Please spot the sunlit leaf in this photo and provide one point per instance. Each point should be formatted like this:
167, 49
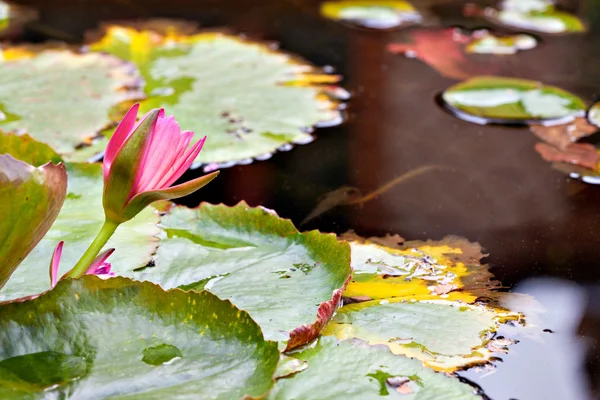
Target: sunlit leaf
447, 269
249, 99
25, 148
352, 369
95, 339
494, 99
77, 224
289, 282
376, 14
30, 199
62, 98
419, 299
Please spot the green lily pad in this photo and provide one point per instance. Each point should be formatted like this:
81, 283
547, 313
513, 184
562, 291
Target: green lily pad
444, 335
30, 199
351, 369
25, 148
373, 14
494, 99
77, 224
247, 98
535, 15
594, 114
289, 282
62, 98
486, 42
96, 339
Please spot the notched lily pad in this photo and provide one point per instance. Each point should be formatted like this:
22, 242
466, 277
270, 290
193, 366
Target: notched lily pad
249, 99
90, 338
533, 15
40, 83
421, 299
77, 224
351, 369
30, 200
289, 282
494, 99
374, 14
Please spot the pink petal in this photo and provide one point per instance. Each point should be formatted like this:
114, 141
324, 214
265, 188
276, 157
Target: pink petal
143, 175
98, 263
165, 149
185, 161
121, 134
54, 263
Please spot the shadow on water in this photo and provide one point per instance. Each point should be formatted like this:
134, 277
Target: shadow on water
534, 221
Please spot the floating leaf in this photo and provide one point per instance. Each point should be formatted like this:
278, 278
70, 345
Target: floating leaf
584, 155
494, 99
77, 224
290, 282
375, 14
25, 148
444, 335
247, 98
395, 295
30, 199
417, 270
594, 114
62, 98
563, 135
443, 50
485, 42
351, 369
90, 338
534, 15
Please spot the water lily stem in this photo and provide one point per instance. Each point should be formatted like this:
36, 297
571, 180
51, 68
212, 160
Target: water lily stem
105, 233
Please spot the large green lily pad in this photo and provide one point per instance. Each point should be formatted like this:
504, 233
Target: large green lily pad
247, 98
119, 339
289, 282
60, 97
77, 224
352, 369
30, 199
494, 99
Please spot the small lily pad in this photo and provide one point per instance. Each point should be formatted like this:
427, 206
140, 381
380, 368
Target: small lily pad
249, 99
39, 84
30, 200
373, 14
492, 99
485, 42
353, 370
77, 224
534, 15
594, 115
290, 282
90, 338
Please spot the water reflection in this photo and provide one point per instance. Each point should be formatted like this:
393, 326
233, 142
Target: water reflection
562, 331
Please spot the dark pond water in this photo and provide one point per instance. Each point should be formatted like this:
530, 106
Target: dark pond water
541, 229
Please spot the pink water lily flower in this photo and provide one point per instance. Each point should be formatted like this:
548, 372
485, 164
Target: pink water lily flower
143, 160
98, 267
